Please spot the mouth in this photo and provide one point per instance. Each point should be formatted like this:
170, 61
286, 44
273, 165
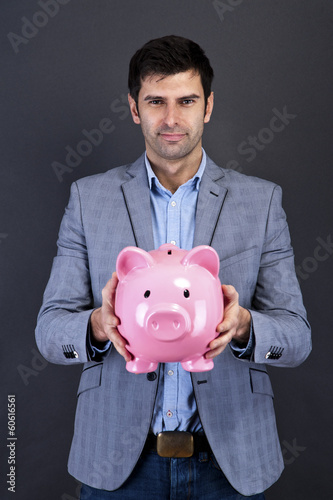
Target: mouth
172, 137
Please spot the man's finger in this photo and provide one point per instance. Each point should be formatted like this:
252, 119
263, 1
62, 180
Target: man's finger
109, 291
120, 344
230, 294
218, 345
225, 326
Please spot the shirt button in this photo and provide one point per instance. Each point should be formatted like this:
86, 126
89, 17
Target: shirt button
173, 203
172, 242
151, 376
169, 413
170, 372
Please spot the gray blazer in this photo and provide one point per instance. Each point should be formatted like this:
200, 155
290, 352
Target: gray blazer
242, 218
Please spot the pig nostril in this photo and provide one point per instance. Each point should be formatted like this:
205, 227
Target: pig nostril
176, 324
155, 325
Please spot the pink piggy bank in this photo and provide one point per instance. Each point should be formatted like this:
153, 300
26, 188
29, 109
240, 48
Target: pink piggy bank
169, 302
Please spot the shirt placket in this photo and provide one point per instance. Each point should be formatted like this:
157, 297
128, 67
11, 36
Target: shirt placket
171, 370
170, 402
173, 218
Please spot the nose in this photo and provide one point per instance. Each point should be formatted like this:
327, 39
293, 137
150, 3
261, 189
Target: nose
168, 322
171, 116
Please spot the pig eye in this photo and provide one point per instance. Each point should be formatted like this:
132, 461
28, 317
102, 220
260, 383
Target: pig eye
146, 294
186, 294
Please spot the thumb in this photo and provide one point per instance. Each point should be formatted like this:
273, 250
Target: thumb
229, 291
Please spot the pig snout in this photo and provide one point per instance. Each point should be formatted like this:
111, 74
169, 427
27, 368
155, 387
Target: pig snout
167, 322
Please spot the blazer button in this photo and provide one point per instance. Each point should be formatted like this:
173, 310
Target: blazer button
151, 376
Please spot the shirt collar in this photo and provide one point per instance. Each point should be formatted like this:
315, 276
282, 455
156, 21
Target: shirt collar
196, 179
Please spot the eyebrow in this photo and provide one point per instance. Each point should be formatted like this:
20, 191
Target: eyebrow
158, 97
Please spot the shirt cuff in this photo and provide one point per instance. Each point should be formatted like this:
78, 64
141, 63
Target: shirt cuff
96, 350
245, 352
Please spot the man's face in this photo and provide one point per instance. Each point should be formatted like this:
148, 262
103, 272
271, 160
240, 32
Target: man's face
171, 112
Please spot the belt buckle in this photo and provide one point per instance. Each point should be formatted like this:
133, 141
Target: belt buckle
175, 444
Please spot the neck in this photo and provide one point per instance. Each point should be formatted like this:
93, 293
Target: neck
173, 173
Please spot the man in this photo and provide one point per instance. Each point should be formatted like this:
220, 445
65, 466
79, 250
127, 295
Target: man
174, 193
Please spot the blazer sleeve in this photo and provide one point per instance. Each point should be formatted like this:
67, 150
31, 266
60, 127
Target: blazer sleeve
281, 330
63, 320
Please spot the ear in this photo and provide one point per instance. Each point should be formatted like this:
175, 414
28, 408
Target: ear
132, 258
134, 109
204, 256
209, 107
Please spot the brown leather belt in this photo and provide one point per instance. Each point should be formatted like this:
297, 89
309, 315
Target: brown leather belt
176, 444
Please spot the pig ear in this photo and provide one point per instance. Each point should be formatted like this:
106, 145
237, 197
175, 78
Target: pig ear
132, 258
204, 256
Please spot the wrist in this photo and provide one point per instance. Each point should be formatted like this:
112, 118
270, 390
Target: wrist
96, 330
242, 335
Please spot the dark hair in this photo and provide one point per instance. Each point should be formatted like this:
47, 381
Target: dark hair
167, 56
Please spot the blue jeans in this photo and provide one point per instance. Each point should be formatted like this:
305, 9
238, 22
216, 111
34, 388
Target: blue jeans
157, 478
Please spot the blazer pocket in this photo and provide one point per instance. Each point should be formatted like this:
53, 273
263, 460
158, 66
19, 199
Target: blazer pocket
238, 257
90, 378
260, 382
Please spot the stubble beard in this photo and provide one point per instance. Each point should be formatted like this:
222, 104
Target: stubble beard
174, 150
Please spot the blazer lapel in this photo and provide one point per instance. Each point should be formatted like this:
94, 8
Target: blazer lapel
137, 198
210, 201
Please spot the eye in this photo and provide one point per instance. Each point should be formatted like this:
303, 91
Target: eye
146, 294
186, 294
155, 102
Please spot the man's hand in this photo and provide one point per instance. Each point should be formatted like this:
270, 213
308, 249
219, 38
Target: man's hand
104, 322
235, 325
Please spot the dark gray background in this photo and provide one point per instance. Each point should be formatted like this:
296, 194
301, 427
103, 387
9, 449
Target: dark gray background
72, 73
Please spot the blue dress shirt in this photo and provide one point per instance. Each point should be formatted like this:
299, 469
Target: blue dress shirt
173, 218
